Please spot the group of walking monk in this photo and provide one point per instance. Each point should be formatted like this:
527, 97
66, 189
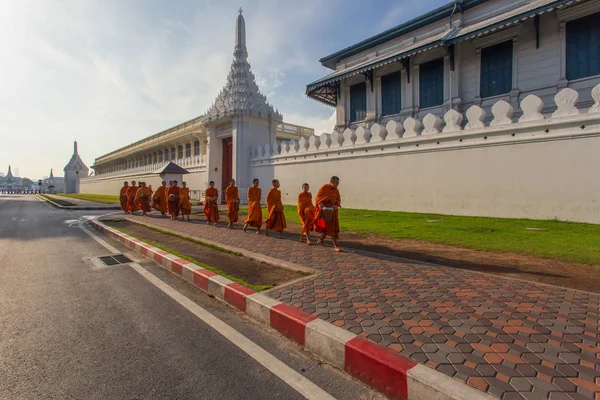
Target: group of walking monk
172, 199
320, 216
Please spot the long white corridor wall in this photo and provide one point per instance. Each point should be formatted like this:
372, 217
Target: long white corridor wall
539, 167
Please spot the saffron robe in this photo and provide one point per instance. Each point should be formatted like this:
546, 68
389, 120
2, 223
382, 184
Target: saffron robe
233, 203
211, 210
306, 211
254, 217
184, 201
131, 192
159, 200
276, 219
173, 205
123, 197
142, 199
328, 196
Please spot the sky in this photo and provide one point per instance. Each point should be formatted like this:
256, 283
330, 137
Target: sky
108, 73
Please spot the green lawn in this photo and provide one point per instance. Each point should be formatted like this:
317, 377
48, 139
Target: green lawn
565, 241
98, 198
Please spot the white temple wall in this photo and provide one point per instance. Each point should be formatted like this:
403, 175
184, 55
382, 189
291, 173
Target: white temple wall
112, 185
556, 179
539, 168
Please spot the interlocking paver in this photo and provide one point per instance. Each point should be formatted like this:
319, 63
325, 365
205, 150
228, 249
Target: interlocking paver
512, 338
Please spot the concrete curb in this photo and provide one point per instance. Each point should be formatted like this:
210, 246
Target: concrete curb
395, 375
77, 207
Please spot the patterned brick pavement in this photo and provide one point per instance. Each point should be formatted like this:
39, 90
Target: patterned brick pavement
513, 339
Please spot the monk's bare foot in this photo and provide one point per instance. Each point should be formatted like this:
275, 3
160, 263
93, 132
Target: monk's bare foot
258, 231
338, 249
245, 227
308, 242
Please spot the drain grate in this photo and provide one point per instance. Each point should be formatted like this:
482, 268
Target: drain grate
114, 260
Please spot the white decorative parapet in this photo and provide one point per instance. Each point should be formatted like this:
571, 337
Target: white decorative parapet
567, 120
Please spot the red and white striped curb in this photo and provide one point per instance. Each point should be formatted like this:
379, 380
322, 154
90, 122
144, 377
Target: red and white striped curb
395, 375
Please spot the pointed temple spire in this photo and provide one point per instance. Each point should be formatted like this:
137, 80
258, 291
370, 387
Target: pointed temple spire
75, 147
51, 173
240, 52
241, 95
9, 174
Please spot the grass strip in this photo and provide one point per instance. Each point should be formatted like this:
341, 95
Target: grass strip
189, 239
572, 242
257, 288
58, 201
97, 198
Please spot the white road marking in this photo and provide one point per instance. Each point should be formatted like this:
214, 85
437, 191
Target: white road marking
97, 239
294, 379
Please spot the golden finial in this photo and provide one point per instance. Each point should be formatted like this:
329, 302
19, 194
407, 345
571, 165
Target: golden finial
241, 10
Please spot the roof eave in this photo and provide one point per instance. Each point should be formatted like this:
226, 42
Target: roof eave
442, 12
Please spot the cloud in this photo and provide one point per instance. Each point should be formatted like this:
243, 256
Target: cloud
320, 125
108, 73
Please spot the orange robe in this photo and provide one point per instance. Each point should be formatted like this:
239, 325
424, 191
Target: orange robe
184, 201
306, 211
131, 192
211, 210
173, 205
329, 196
254, 217
233, 203
159, 200
142, 199
123, 197
276, 219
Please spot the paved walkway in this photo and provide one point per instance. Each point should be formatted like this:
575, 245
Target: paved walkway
511, 338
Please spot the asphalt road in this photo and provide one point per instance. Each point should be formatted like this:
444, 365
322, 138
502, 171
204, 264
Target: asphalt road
71, 331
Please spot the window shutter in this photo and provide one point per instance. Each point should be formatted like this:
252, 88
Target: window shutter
496, 69
431, 83
583, 47
358, 102
391, 93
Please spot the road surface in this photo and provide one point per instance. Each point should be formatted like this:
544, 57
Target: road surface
72, 330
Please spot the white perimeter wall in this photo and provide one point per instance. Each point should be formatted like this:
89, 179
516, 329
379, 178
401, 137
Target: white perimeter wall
112, 184
555, 179
542, 167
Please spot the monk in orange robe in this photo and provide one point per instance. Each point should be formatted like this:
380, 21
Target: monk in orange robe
254, 217
173, 200
276, 218
184, 201
211, 210
123, 196
131, 192
306, 212
159, 200
233, 203
326, 220
142, 198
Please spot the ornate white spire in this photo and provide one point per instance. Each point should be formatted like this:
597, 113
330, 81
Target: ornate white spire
241, 95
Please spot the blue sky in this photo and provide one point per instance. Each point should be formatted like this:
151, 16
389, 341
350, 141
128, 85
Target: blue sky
107, 73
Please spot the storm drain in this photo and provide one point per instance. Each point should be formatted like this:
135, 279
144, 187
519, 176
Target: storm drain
114, 260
